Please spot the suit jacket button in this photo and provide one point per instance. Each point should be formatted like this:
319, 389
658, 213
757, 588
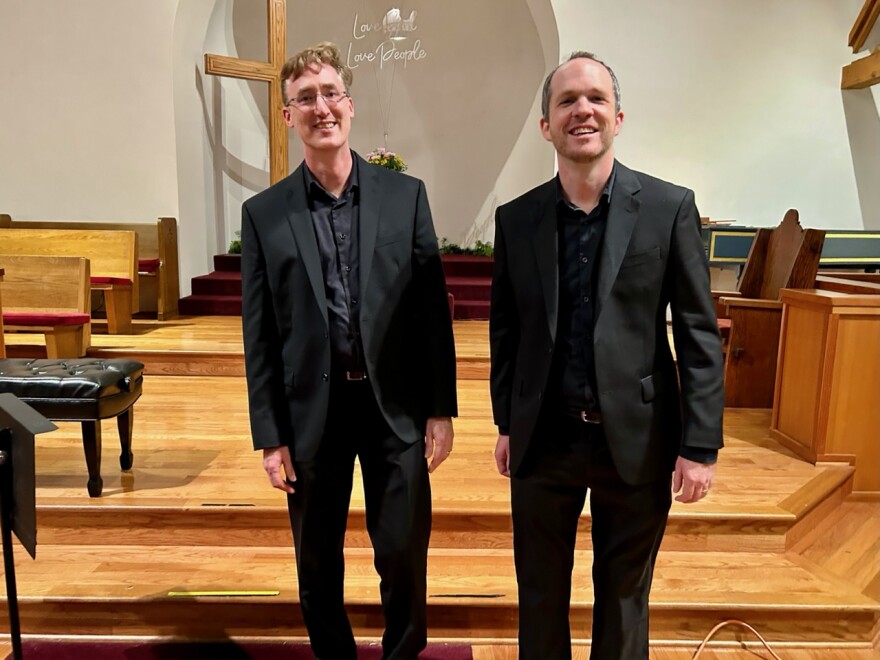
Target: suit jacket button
325, 377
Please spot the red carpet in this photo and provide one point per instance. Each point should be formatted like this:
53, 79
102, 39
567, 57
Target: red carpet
76, 650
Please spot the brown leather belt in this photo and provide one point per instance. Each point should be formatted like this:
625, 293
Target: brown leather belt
586, 416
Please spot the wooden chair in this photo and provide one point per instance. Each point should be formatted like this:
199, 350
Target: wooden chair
750, 318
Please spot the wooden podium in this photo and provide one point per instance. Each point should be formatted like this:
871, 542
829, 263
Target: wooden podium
826, 404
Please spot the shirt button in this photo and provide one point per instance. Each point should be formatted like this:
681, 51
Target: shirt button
342, 236
354, 301
326, 334
348, 269
586, 299
584, 260
325, 377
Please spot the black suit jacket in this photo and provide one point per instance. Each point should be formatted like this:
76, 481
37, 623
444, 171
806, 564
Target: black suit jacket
404, 315
652, 256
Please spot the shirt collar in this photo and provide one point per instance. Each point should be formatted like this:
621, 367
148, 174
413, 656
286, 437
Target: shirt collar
606, 192
313, 186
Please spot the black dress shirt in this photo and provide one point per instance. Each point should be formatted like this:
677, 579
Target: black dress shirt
579, 236
335, 220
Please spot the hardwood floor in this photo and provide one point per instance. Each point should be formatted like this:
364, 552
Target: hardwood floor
777, 542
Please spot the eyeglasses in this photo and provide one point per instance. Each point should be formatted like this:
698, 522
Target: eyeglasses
309, 100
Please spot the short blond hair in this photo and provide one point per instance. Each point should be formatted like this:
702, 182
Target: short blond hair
322, 53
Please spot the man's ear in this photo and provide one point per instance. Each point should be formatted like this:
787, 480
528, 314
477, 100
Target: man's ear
545, 129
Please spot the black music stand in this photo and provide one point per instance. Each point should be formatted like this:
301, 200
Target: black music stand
19, 423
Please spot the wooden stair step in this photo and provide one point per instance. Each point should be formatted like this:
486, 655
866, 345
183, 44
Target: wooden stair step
484, 523
470, 594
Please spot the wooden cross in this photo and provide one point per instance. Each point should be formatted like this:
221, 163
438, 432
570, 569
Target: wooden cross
222, 65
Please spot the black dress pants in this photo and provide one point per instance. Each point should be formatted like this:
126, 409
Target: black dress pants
398, 514
569, 459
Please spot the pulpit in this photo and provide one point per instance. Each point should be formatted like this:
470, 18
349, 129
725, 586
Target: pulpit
827, 396
784, 257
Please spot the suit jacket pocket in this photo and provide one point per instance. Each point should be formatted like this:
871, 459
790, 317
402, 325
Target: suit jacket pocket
393, 237
639, 258
648, 392
289, 379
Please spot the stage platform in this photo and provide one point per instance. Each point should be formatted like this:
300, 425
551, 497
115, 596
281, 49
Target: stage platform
777, 543
212, 346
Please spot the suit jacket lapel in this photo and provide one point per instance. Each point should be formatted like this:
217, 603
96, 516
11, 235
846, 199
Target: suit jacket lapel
622, 216
300, 219
368, 221
546, 249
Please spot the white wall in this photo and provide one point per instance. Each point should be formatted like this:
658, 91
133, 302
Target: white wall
740, 101
86, 122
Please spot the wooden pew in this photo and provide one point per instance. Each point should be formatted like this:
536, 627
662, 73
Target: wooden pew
784, 257
48, 295
158, 260
112, 255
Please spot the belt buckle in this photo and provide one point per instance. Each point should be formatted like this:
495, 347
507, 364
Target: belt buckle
590, 417
355, 375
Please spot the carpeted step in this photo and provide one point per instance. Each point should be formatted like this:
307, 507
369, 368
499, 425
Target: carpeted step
471, 309
228, 262
465, 265
469, 288
210, 305
218, 283
74, 648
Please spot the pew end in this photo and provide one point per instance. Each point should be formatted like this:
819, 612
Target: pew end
48, 295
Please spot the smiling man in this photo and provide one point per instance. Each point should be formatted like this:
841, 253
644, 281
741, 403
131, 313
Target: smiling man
585, 392
349, 354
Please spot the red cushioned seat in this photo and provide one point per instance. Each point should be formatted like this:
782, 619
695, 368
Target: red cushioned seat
148, 265
110, 280
59, 318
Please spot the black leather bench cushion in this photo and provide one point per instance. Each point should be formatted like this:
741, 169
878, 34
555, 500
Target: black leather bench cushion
81, 389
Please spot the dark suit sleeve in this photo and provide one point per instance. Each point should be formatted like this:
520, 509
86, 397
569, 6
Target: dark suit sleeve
503, 332
695, 333
262, 345
438, 371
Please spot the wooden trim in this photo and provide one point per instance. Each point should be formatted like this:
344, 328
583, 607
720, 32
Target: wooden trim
753, 303
862, 73
864, 24
168, 293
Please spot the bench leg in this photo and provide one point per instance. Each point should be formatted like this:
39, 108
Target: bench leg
64, 342
92, 445
125, 424
117, 302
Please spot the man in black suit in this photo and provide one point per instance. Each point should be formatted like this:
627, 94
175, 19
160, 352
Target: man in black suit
585, 391
349, 353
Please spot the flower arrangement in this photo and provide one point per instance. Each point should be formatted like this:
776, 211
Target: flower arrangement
387, 159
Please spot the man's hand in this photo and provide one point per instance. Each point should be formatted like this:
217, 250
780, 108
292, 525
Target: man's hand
502, 455
693, 480
279, 467
438, 440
